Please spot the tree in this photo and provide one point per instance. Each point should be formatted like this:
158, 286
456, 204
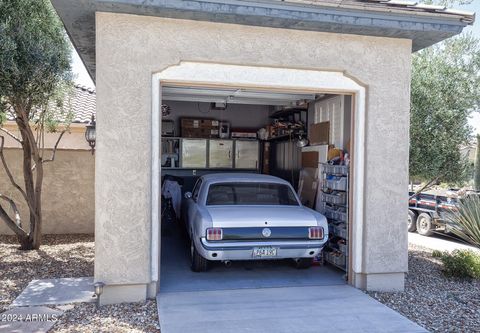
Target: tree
35, 76
477, 165
445, 90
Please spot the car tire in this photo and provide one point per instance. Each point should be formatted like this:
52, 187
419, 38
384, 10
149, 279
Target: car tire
412, 221
424, 224
303, 263
198, 263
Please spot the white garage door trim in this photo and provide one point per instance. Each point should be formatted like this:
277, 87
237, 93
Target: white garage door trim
266, 79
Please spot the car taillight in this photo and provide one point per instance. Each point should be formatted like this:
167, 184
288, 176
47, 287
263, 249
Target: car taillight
315, 233
214, 234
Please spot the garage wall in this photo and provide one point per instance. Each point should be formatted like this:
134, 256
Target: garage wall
68, 192
239, 116
127, 56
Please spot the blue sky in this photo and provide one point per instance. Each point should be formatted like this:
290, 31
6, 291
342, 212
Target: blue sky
84, 79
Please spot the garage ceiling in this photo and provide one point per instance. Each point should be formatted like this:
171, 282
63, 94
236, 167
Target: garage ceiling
234, 96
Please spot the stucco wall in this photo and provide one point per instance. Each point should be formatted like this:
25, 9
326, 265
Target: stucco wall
74, 138
68, 191
131, 48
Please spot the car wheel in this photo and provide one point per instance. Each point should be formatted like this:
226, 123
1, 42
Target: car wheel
198, 263
412, 221
424, 224
303, 263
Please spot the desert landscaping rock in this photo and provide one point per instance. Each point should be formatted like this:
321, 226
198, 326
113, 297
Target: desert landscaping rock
61, 256
118, 318
68, 256
437, 303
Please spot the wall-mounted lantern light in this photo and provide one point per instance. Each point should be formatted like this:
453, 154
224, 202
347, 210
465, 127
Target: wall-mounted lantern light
90, 134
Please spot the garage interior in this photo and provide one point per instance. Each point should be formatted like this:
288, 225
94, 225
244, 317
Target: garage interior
304, 138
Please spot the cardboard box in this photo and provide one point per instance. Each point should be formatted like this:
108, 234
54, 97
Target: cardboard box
205, 133
199, 123
310, 159
319, 134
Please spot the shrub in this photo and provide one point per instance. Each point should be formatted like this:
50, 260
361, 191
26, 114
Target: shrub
465, 223
464, 264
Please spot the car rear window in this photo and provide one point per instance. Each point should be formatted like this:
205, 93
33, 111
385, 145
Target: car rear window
256, 194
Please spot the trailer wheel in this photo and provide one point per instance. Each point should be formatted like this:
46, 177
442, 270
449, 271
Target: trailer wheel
412, 221
424, 224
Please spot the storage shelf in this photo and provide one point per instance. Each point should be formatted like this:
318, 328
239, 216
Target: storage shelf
280, 137
343, 268
286, 113
335, 179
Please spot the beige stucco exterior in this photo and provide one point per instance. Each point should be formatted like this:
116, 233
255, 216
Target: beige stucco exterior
130, 49
73, 139
68, 191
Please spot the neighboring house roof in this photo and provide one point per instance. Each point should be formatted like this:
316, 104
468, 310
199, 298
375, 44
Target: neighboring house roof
425, 25
81, 105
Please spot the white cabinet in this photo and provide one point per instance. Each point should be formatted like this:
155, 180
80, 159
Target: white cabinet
246, 154
220, 154
194, 153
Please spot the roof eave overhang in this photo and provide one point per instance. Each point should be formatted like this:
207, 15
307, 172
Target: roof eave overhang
424, 29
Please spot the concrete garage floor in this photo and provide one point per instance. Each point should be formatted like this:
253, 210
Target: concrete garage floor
177, 276
264, 297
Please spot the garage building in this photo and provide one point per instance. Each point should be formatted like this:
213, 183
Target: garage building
347, 63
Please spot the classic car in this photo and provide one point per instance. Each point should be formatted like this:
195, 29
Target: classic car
239, 216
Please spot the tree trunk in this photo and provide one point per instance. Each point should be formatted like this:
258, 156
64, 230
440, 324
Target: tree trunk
36, 233
33, 185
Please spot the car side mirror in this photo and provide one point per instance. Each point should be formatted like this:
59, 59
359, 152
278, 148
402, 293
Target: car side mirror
188, 195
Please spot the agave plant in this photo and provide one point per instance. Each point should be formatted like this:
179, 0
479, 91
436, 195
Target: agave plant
465, 223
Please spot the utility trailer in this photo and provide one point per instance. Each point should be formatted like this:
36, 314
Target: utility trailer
427, 213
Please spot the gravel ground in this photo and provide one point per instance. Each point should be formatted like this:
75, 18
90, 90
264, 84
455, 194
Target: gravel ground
433, 301
430, 299
61, 256
119, 318
69, 256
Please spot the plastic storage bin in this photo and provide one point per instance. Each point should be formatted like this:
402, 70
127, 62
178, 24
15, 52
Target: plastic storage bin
339, 170
335, 198
340, 231
337, 183
343, 248
336, 215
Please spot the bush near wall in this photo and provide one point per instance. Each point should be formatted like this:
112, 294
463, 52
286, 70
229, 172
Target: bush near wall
463, 264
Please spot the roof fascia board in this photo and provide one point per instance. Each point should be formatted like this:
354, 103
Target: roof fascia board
280, 9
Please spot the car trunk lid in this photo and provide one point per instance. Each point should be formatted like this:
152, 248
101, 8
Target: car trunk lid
260, 216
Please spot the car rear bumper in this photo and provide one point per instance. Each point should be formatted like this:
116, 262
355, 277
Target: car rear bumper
244, 250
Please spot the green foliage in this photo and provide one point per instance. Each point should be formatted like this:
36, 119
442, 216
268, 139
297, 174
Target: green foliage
35, 75
464, 264
437, 254
34, 55
477, 165
465, 223
445, 90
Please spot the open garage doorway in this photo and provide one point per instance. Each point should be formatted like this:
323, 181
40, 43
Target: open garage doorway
304, 136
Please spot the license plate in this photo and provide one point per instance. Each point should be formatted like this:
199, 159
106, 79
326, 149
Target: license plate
266, 251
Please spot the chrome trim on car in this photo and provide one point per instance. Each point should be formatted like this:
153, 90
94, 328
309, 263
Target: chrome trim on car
230, 246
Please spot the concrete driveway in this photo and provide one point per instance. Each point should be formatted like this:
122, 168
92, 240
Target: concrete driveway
439, 242
266, 297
